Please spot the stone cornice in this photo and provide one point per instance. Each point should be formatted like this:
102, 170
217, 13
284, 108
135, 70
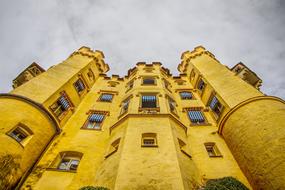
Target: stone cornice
121, 120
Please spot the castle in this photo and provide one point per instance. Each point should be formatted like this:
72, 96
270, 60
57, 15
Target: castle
73, 126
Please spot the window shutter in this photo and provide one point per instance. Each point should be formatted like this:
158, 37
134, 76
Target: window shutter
107, 97
186, 95
148, 101
98, 118
64, 102
196, 116
79, 85
213, 102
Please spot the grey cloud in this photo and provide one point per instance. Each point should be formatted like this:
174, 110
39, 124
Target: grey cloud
130, 31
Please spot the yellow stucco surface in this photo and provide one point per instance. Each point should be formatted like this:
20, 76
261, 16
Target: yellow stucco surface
179, 159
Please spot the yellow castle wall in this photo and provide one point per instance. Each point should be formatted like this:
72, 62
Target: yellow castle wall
257, 140
18, 157
133, 166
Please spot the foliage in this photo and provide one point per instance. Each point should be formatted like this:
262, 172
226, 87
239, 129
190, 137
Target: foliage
226, 183
93, 188
9, 167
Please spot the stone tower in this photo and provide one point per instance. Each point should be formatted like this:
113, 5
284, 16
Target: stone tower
73, 126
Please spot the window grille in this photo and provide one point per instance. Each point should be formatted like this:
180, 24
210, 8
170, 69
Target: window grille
94, 121
149, 140
64, 103
186, 95
106, 97
196, 116
148, 101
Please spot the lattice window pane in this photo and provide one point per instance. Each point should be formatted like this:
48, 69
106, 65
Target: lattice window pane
148, 101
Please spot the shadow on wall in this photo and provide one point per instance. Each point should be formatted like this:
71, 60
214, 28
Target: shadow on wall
9, 167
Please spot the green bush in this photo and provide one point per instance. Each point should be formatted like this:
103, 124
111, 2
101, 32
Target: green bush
226, 183
93, 188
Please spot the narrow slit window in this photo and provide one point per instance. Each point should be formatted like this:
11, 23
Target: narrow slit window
166, 84
186, 95
201, 85
79, 86
90, 75
212, 150
125, 106
149, 101
192, 75
130, 85
172, 105
106, 97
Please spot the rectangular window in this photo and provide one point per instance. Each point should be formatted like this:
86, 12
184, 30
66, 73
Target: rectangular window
18, 134
166, 84
21, 133
90, 75
212, 150
94, 121
148, 101
125, 106
79, 85
201, 85
130, 84
60, 106
106, 97
216, 106
172, 105
196, 116
186, 95
68, 164
149, 140
68, 161
149, 81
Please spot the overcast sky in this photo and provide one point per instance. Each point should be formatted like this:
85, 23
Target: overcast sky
128, 31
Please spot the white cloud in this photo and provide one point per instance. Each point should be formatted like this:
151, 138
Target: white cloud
130, 31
